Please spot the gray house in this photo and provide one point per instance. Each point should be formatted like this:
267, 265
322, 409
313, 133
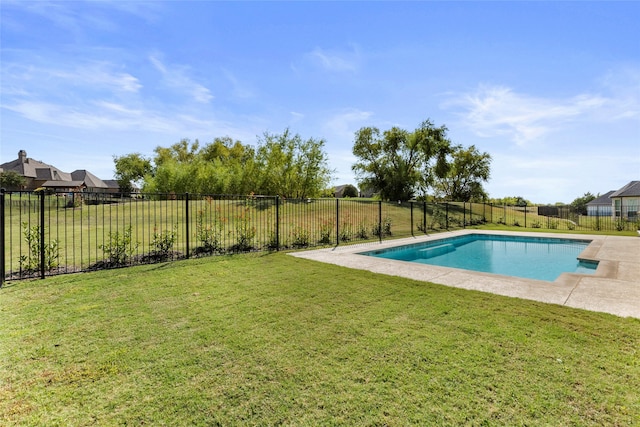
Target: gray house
626, 201
600, 206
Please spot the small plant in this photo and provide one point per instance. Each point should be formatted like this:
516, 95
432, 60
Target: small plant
384, 229
516, 223
245, 231
120, 247
162, 242
31, 262
300, 237
346, 229
553, 225
209, 234
571, 225
536, 224
620, 225
440, 218
363, 231
326, 227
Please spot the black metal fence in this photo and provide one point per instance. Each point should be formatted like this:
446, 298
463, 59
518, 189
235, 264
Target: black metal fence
46, 234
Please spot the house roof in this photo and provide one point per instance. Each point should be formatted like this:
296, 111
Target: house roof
602, 200
89, 179
632, 189
112, 183
31, 168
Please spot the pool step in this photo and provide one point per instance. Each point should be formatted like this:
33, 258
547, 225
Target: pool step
436, 250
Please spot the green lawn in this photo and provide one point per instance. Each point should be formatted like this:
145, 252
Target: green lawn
270, 339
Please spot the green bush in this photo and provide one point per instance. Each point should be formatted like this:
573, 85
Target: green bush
209, 234
31, 262
245, 231
300, 237
326, 227
162, 243
120, 248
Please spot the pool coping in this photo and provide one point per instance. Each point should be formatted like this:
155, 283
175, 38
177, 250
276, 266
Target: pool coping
614, 288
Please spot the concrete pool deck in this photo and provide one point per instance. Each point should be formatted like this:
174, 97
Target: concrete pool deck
614, 288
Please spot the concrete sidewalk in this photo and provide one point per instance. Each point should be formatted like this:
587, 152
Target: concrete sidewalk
614, 288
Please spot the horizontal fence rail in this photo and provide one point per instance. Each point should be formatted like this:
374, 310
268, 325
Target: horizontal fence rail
47, 234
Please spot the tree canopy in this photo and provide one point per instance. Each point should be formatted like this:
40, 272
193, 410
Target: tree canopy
399, 164
468, 169
12, 180
580, 203
284, 164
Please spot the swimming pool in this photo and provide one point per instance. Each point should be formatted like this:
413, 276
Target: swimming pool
538, 258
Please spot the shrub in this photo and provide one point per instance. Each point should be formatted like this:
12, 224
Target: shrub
536, 224
384, 229
363, 231
120, 247
31, 262
209, 234
245, 231
326, 227
162, 243
300, 237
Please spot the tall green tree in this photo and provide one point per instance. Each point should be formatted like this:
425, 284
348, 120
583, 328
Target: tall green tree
468, 169
580, 203
131, 169
399, 164
290, 166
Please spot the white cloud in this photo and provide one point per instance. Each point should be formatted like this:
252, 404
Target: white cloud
239, 89
345, 124
176, 77
498, 110
336, 60
38, 80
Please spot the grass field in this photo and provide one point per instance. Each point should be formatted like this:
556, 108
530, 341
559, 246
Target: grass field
274, 340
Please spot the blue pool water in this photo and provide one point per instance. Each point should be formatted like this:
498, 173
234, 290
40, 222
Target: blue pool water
528, 257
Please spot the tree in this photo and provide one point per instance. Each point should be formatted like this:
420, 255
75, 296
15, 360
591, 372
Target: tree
131, 168
12, 180
397, 163
468, 169
350, 191
511, 201
287, 165
580, 203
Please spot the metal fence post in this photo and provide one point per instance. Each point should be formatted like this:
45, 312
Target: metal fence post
337, 221
525, 215
42, 253
2, 272
277, 223
424, 217
186, 213
380, 220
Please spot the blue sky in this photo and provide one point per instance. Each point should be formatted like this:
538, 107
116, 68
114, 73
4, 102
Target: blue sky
550, 89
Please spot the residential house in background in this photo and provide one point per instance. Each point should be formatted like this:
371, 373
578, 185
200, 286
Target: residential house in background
626, 201
42, 175
35, 172
600, 206
618, 204
90, 181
